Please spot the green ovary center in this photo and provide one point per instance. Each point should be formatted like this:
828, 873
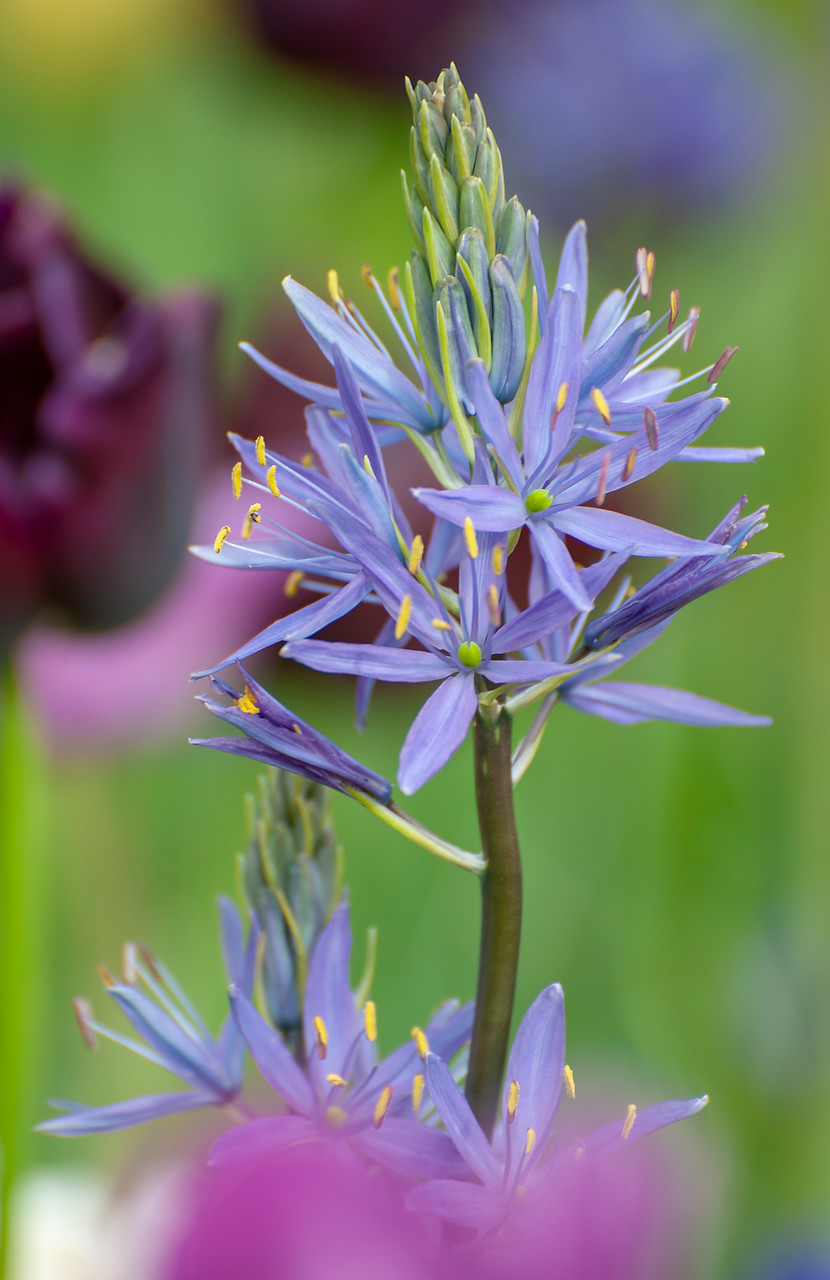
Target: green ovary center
537, 500
469, 653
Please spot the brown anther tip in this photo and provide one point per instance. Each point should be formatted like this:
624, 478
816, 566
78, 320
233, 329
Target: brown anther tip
83, 1016
148, 958
128, 969
105, 976
366, 272
721, 363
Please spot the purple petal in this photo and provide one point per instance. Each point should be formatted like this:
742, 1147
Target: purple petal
464, 1203
413, 1149
363, 437
522, 670
573, 268
558, 360
123, 1115
537, 1061
695, 453
261, 1138
304, 622
537, 267
492, 420
329, 996
554, 609
409, 666
609, 1138
276, 1064
625, 703
612, 531
460, 1123
561, 568
437, 731
491, 508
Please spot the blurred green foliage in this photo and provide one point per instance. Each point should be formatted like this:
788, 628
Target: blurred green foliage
677, 879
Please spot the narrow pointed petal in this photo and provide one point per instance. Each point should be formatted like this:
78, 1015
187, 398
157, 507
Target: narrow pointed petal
491, 508
537, 1061
464, 1203
124, 1115
437, 731
563, 572
573, 268
261, 1137
537, 267
364, 439
329, 996
609, 1139
625, 703
409, 666
698, 453
460, 1123
491, 420
183, 1054
276, 1064
608, 365
558, 361
612, 531
300, 624
554, 609
446, 1032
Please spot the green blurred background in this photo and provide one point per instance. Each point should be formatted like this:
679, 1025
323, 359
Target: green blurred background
677, 879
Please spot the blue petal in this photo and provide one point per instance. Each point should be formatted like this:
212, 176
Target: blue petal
409, 666
609, 1139
460, 1123
558, 360
491, 420
329, 996
537, 267
573, 268
437, 731
410, 1148
696, 453
625, 703
261, 1137
363, 437
183, 1054
464, 1203
561, 568
606, 367
123, 1115
537, 1061
491, 508
554, 609
612, 531
446, 1032
276, 1064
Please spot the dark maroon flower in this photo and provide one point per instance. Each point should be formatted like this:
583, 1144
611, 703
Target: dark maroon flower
105, 400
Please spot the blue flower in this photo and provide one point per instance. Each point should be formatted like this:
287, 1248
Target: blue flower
275, 736
174, 1037
516, 1169
340, 1090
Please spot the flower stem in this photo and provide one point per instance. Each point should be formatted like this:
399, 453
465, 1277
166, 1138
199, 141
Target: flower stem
501, 913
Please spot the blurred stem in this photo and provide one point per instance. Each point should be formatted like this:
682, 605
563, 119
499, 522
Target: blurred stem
23, 819
501, 913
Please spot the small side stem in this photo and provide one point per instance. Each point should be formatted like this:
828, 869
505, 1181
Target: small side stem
501, 913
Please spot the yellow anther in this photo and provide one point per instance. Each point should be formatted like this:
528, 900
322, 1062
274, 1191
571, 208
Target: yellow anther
382, 1105
470, 538
370, 1020
742, 546
236, 478
221, 538
493, 606
674, 307
322, 1037
402, 620
530, 1141
105, 976
421, 1042
297, 729
441, 625
334, 1079
292, 583
416, 554
253, 517
629, 464
248, 703
603, 479
366, 272
628, 1122
602, 405
392, 286
307, 459
570, 1086
336, 1117
367, 466
271, 481
498, 560
417, 1092
333, 285
512, 1101
259, 446
562, 397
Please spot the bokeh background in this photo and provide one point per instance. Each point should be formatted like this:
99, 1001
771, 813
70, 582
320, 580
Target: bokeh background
677, 879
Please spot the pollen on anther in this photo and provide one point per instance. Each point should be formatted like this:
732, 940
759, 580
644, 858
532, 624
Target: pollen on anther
271, 481
392, 286
530, 1141
334, 1079
628, 1123
470, 538
248, 703
417, 1092
322, 1036
221, 538
645, 271
416, 554
382, 1105
105, 976
629, 464
404, 614
674, 307
333, 283
260, 450
742, 546
236, 478
83, 1015
603, 479
366, 272
561, 397
493, 607
370, 1020
421, 1042
307, 459
601, 405
498, 560
568, 1078
292, 583
512, 1100
253, 517
441, 624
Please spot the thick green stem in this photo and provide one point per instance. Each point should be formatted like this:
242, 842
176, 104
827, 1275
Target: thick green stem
501, 911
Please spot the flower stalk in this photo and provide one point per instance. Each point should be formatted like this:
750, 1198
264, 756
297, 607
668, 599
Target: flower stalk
501, 913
